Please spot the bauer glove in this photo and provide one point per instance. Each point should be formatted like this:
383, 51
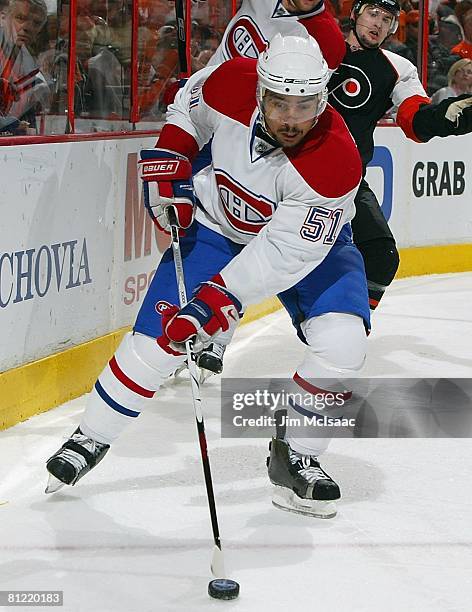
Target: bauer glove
167, 181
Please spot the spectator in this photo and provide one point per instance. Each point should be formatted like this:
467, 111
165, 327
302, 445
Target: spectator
449, 31
165, 66
393, 44
459, 80
23, 92
440, 59
411, 31
107, 81
205, 41
463, 12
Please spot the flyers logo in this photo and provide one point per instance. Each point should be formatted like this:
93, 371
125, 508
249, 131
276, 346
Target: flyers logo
350, 87
245, 39
246, 212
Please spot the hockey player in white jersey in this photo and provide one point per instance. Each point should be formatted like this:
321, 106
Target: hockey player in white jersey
247, 34
258, 21
272, 217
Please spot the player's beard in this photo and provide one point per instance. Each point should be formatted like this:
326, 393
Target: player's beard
289, 137
366, 42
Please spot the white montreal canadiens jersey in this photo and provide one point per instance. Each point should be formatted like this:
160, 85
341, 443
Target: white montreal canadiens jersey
255, 23
286, 205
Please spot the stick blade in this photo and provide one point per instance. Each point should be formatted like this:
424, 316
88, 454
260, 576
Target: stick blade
218, 563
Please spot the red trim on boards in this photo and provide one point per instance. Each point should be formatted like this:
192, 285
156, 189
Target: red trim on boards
11, 141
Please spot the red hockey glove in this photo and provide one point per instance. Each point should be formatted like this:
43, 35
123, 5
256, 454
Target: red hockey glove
213, 309
167, 181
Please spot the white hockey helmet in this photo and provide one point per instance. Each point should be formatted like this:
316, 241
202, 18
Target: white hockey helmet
293, 66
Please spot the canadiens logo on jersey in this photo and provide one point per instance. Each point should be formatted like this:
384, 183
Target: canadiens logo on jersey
245, 39
246, 212
350, 86
164, 308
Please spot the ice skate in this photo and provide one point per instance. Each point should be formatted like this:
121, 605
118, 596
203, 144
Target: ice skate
209, 362
211, 358
301, 485
73, 460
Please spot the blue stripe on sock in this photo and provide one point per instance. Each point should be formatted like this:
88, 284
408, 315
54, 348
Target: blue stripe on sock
304, 411
111, 402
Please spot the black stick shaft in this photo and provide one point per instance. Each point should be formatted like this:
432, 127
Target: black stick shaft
179, 272
181, 19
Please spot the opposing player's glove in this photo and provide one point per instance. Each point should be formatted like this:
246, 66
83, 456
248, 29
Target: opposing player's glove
212, 310
167, 181
451, 117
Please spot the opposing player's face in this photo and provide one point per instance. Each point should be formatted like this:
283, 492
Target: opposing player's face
300, 6
289, 118
373, 25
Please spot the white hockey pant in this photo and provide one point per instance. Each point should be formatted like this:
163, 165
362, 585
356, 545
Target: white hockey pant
126, 385
336, 350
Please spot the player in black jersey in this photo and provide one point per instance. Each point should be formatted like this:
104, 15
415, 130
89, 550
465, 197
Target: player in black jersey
369, 82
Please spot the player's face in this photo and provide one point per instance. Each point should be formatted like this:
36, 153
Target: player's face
373, 25
300, 6
289, 118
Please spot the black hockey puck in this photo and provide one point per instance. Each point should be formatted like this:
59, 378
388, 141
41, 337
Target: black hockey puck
222, 588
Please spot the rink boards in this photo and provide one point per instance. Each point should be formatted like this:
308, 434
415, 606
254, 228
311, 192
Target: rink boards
78, 251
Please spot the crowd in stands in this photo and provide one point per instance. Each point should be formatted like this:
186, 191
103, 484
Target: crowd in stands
34, 54
34, 58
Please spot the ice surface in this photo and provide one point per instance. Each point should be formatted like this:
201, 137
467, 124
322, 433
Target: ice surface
135, 535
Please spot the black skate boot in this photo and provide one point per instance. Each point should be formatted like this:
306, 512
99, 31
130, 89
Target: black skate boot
73, 460
211, 358
301, 485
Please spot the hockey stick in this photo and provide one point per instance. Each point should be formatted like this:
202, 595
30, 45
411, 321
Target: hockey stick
217, 563
181, 20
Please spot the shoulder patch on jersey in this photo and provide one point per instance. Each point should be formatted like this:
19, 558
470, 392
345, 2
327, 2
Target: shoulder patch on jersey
231, 89
400, 64
328, 160
244, 38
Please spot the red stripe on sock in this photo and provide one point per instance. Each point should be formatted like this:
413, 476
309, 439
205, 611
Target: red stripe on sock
309, 388
127, 382
373, 303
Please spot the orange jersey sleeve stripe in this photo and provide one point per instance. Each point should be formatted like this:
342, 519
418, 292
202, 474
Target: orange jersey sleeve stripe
406, 112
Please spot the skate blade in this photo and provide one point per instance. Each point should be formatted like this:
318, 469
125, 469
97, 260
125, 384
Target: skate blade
53, 485
205, 375
284, 499
181, 371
